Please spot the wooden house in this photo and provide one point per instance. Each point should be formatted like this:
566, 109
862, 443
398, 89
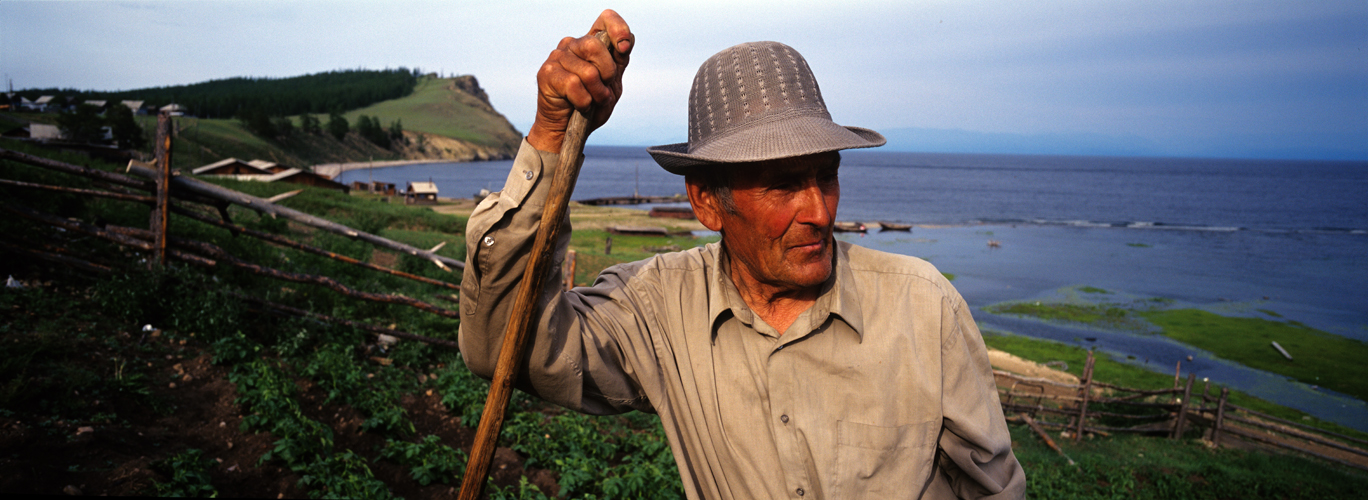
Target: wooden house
268, 166
307, 178
421, 193
382, 188
232, 167
135, 106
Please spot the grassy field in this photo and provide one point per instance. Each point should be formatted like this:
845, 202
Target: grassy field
1134, 468
1318, 358
436, 108
1326, 360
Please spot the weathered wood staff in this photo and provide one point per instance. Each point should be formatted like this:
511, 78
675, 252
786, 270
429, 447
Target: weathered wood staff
520, 320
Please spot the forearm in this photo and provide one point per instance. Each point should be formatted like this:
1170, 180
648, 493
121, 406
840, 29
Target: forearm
570, 338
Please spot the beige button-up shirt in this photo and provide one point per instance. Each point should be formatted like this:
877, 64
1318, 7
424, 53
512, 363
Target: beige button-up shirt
882, 389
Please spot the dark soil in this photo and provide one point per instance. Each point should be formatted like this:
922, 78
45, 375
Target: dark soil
70, 425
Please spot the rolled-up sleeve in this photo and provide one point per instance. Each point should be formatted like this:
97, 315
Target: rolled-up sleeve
978, 459
575, 358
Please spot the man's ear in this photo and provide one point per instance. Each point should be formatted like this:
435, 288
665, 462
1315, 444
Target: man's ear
705, 205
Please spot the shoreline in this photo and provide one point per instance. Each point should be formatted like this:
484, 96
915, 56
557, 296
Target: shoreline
332, 170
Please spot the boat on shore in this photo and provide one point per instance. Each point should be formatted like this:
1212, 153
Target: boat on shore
849, 227
894, 226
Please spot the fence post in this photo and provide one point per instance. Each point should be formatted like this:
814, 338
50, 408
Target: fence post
1183, 408
568, 270
1087, 393
1220, 417
1177, 370
160, 211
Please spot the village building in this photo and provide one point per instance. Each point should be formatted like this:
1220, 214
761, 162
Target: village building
375, 187
307, 178
42, 132
100, 105
265, 171
268, 166
421, 193
232, 167
135, 106
173, 109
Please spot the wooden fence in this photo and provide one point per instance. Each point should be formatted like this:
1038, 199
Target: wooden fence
1093, 407
208, 203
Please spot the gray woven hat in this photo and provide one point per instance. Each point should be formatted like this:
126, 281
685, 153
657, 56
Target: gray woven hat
753, 102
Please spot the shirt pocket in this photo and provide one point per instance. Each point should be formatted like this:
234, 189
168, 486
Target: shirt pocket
883, 462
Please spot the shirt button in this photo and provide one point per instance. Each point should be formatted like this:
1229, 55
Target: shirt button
527, 174
489, 241
784, 419
800, 492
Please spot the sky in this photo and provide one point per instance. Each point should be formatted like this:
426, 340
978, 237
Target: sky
1217, 78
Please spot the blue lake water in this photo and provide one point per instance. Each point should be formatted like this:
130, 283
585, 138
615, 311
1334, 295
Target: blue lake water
1231, 236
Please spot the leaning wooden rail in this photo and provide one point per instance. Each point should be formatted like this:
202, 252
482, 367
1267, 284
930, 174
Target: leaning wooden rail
1299, 425
194, 189
236, 229
88, 192
286, 242
26, 248
219, 254
206, 189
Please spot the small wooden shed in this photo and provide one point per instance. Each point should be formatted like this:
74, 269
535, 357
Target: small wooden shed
421, 193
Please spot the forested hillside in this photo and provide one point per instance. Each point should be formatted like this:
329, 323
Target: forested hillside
326, 92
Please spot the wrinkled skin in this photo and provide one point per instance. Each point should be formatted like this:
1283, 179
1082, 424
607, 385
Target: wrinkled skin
580, 73
779, 240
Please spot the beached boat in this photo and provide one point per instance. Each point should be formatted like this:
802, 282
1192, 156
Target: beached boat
672, 212
849, 227
638, 230
894, 226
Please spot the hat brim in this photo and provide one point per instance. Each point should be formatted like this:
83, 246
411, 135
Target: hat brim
794, 136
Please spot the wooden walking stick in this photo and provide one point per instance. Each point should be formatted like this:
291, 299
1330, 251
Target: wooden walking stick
519, 326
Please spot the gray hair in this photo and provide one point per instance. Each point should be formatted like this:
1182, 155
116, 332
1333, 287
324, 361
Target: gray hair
716, 179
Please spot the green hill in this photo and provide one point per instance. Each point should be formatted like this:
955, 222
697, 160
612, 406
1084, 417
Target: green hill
442, 118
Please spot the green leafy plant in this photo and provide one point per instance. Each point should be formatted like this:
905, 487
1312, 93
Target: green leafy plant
428, 460
189, 472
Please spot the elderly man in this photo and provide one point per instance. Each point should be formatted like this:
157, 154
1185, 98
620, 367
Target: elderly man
783, 363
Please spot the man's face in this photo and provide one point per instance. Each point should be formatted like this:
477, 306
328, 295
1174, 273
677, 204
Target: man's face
781, 235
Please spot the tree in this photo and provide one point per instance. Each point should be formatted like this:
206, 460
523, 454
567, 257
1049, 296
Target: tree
310, 124
396, 131
337, 125
283, 125
127, 133
83, 125
370, 129
257, 121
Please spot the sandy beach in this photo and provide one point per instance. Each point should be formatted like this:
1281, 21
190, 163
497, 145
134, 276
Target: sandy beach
332, 170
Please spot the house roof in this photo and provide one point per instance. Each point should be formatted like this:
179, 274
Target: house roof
268, 166
422, 187
226, 162
44, 99
287, 174
98, 104
133, 105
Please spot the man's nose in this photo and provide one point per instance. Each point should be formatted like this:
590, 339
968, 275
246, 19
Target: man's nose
812, 207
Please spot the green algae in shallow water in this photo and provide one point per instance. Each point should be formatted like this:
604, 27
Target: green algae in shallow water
1319, 358
1101, 315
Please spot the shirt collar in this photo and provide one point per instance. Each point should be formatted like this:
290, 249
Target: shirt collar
838, 297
